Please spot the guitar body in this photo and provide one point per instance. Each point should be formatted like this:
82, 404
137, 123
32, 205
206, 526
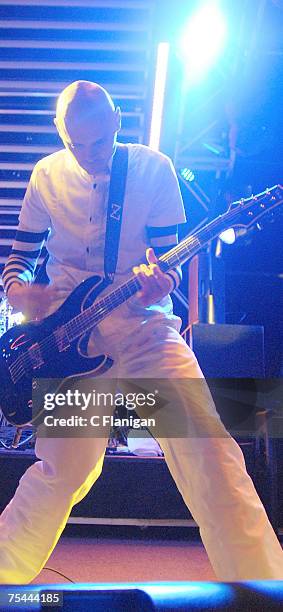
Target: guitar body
71, 361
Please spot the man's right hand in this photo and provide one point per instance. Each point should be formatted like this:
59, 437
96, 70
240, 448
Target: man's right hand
33, 301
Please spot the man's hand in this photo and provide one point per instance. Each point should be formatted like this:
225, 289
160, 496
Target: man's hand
32, 300
154, 283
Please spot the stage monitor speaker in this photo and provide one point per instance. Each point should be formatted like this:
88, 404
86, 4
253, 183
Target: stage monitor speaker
223, 350
263, 596
199, 596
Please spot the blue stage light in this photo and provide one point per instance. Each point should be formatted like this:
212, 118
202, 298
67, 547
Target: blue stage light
187, 175
202, 39
159, 95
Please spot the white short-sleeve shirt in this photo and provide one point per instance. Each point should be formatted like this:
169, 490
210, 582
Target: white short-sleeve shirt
73, 204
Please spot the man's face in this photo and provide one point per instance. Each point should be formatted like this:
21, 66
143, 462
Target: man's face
92, 141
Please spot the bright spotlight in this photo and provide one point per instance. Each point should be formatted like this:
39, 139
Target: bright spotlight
202, 39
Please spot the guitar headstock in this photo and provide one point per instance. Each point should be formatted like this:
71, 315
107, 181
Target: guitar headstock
248, 211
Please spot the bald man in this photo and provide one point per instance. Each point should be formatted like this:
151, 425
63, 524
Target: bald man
87, 122
66, 205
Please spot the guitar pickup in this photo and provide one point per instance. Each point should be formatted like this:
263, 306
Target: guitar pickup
61, 338
35, 356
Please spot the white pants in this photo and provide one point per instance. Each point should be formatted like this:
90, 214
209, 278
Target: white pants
209, 471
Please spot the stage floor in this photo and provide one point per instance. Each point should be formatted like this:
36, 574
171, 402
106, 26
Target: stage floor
127, 559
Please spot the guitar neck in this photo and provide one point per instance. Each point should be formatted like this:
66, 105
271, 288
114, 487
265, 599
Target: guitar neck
191, 245
177, 255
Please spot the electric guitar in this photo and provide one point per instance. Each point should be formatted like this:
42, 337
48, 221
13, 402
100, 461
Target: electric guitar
56, 347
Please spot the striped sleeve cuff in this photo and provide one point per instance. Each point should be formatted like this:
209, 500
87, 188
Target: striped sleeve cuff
162, 239
176, 276
162, 236
21, 263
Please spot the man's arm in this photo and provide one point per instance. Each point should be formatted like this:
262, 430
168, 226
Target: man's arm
21, 263
166, 214
18, 274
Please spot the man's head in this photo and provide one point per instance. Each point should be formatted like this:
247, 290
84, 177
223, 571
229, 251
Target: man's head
88, 122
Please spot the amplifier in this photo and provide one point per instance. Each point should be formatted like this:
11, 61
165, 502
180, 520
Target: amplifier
226, 350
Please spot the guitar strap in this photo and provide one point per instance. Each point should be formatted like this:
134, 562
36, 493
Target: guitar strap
115, 210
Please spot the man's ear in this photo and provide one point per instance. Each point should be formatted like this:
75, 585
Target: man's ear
57, 125
118, 118
59, 129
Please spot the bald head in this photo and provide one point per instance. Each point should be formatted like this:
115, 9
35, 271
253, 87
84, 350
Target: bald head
87, 122
83, 101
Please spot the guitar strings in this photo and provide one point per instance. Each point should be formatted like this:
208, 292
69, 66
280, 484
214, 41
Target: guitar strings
78, 324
